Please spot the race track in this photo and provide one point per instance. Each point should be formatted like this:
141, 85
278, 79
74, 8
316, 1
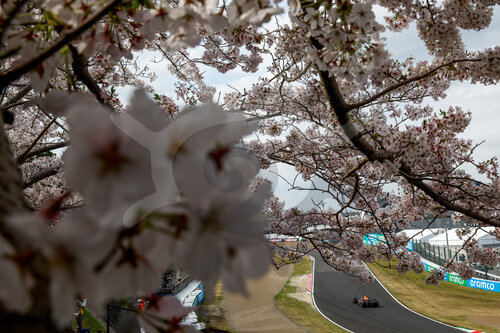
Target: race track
333, 292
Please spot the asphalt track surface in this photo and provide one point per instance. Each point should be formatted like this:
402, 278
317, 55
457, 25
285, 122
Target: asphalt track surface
333, 293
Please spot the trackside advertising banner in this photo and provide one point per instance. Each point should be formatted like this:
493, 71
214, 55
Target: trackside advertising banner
472, 283
483, 284
373, 239
454, 278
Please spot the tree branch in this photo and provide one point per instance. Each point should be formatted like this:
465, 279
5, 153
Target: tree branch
23, 68
22, 158
355, 191
45, 173
403, 83
48, 147
355, 168
17, 97
407, 173
81, 72
9, 15
341, 110
13, 102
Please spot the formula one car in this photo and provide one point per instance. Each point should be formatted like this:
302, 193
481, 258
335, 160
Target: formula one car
366, 302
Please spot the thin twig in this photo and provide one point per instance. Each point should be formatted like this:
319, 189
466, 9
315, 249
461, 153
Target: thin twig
22, 158
44, 149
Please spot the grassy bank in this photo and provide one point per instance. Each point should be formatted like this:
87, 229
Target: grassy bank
88, 321
447, 302
212, 313
301, 312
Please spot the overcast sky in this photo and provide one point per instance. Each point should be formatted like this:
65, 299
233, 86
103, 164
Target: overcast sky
482, 101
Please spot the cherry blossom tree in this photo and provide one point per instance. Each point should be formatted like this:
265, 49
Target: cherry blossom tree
145, 186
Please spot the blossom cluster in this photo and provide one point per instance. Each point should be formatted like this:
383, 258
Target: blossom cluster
158, 193
348, 35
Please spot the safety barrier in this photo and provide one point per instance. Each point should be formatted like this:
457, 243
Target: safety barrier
373, 239
471, 283
199, 296
193, 294
440, 255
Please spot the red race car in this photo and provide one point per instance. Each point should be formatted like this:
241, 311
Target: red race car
366, 302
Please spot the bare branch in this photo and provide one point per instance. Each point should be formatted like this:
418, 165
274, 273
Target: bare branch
80, 70
46, 173
17, 97
46, 148
356, 168
353, 196
405, 82
22, 158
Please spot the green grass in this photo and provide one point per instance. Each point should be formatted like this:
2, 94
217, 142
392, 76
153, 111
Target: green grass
302, 267
301, 312
447, 302
88, 321
216, 300
213, 322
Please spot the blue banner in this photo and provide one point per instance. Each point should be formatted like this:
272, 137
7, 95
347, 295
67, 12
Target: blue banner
429, 268
471, 283
484, 285
374, 239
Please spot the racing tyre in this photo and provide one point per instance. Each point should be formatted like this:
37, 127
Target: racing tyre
355, 300
375, 304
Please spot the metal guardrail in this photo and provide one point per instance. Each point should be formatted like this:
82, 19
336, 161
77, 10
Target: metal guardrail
439, 255
455, 278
